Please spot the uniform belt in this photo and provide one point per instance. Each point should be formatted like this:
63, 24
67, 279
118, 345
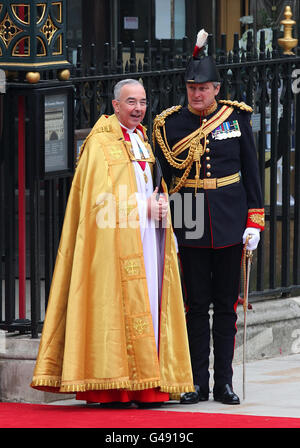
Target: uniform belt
210, 183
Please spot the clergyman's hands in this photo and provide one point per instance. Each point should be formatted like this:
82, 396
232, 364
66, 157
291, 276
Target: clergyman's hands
157, 209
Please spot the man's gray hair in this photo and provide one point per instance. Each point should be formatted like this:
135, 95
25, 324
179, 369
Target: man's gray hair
120, 84
216, 84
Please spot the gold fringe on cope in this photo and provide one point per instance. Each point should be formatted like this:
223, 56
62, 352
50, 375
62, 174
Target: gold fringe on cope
175, 396
83, 387
177, 389
45, 382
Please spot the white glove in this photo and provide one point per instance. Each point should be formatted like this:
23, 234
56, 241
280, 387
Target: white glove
255, 237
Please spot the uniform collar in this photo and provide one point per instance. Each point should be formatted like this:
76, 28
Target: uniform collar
204, 112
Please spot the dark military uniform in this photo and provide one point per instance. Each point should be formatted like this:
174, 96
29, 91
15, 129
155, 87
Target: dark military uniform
212, 153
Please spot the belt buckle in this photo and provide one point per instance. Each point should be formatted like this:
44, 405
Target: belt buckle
210, 184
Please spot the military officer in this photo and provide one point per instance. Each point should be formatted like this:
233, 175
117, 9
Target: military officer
207, 150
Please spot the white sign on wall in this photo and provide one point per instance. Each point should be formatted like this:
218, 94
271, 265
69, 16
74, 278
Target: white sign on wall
2, 81
131, 23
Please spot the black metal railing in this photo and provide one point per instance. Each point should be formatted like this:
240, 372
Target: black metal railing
263, 79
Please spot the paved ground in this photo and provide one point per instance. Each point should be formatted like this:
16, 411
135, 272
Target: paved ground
272, 389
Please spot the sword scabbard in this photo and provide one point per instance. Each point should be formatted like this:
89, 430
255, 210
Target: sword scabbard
247, 260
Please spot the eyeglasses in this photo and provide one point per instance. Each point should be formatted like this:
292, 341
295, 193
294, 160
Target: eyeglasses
134, 103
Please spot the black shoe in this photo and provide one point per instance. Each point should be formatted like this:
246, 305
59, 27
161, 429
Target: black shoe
226, 395
194, 397
116, 405
149, 404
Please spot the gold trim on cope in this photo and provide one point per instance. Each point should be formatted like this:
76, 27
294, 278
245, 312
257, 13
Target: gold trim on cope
109, 384
140, 325
116, 153
132, 267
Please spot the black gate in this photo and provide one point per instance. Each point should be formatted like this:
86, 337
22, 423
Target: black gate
265, 79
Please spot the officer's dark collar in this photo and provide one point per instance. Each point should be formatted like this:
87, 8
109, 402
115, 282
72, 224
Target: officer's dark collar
204, 112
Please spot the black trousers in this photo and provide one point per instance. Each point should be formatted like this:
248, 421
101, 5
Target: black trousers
211, 276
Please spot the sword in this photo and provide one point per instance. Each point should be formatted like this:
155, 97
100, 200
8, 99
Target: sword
247, 268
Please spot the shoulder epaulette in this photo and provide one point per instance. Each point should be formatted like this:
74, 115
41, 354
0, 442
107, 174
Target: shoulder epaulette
159, 120
242, 105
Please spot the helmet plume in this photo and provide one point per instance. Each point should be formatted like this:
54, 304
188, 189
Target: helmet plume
200, 43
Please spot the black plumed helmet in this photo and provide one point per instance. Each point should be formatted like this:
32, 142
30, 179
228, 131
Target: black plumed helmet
201, 68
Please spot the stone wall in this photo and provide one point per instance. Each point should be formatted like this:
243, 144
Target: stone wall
17, 360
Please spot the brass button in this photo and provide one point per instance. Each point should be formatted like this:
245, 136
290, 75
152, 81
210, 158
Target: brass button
207, 141
207, 150
207, 158
208, 174
208, 166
